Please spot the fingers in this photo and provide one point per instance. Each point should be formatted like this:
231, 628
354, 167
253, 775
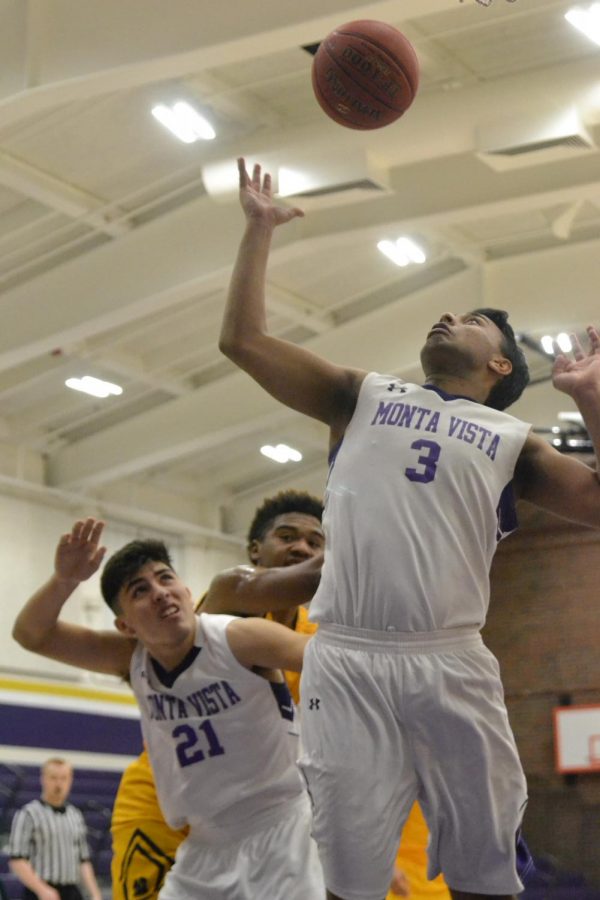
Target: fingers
578, 351
242, 172
594, 338
84, 531
266, 187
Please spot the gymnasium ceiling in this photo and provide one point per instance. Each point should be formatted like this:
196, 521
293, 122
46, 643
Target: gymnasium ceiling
116, 242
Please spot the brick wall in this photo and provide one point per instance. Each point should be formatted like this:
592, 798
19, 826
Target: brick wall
544, 627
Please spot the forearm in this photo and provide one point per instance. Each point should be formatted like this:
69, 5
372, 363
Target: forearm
588, 404
244, 319
248, 590
89, 880
25, 873
38, 618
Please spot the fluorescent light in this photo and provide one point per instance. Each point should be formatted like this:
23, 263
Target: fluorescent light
548, 344
184, 122
564, 342
574, 417
586, 20
402, 252
281, 453
94, 386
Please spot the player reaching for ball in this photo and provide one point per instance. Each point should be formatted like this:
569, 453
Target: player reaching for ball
400, 698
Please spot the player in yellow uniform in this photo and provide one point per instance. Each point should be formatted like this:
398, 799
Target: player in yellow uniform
285, 548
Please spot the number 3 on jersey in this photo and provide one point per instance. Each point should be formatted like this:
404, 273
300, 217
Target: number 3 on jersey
187, 750
427, 460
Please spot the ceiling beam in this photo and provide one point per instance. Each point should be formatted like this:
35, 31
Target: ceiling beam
200, 37
64, 198
236, 407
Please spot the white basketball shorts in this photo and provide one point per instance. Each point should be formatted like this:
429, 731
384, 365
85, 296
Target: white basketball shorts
391, 718
278, 861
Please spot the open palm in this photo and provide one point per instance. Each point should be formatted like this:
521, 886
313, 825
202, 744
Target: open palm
583, 370
79, 553
256, 197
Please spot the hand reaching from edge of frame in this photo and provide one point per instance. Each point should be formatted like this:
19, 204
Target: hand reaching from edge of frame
400, 885
78, 554
582, 371
256, 198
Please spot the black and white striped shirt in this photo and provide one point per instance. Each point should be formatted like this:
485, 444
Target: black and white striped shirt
53, 839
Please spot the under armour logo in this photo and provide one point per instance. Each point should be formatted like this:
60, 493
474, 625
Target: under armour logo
394, 386
313, 703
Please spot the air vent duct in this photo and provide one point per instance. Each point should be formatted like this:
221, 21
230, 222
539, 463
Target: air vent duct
518, 143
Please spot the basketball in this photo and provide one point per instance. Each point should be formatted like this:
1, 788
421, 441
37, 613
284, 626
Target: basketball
365, 74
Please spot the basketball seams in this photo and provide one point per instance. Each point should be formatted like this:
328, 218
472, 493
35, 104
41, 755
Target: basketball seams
365, 74
385, 51
376, 99
333, 114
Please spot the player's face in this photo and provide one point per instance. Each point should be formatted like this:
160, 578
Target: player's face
156, 607
56, 779
460, 343
291, 538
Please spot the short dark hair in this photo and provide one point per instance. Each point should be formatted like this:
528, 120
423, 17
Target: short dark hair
508, 389
284, 502
124, 564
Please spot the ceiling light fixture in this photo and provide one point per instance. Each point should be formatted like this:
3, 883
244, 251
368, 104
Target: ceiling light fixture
281, 453
94, 386
586, 20
547, 343
562, 340
184, 122
402, 252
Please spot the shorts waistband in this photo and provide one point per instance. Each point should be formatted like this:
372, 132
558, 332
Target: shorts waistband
398, 641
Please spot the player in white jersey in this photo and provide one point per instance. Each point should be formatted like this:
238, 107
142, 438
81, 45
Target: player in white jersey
217, 716
400, 699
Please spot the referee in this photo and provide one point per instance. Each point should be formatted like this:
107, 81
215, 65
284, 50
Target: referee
48, 848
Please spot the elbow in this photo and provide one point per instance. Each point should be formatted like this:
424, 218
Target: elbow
240, 349
228, 345
26, 639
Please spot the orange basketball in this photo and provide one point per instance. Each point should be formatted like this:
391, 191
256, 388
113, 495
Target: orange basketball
365, 74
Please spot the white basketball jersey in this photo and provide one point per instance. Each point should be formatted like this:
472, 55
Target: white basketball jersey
222, 740
419, 493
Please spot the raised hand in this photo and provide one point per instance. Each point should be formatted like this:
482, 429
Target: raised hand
78, 554
582, 372
256, 198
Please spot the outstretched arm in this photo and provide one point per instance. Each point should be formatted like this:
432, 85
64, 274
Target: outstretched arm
292, 374
560, 483
253, 590
264, 644
37, 627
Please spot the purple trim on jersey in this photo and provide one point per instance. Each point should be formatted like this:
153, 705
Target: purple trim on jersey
525, 863
332, 456
281, 692
444, 395
506, 513
169, 677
